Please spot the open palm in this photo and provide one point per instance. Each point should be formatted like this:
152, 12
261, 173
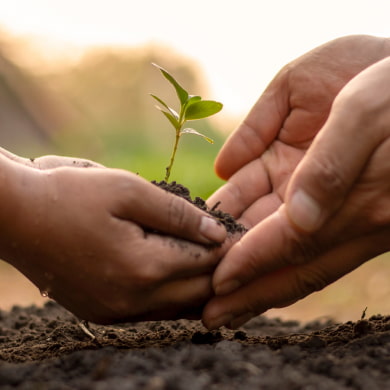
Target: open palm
342, 143
260, 156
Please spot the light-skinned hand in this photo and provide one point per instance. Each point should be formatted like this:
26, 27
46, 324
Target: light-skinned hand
316, 209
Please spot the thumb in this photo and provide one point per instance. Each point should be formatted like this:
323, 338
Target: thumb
357, 124
257, 131
160, 210
332, 164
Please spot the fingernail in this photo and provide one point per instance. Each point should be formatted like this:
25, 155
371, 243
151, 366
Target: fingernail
304, 211
212, 229
227, 287
241, 320
217, 322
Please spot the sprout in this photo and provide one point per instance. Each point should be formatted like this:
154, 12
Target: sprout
192, 107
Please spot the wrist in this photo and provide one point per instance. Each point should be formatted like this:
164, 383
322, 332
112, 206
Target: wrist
20, 205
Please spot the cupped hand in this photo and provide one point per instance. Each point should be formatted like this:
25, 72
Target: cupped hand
334, 211
259, 158
84, 237
50, 161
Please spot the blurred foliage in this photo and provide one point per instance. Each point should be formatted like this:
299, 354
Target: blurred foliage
116, 124
148, 155
106, 111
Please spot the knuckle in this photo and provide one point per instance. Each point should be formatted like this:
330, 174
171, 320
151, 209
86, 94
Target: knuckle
147, 275
255, 304
299, 248
120, 307
250, 137
145, 278
359, 102
328, 177
304, 250
253, 265
177, 216
140, 275
248, 262
376, 216
307, 280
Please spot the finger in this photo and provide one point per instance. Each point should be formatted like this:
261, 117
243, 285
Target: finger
288, 285
257, 131
175, 299
171, 258
50, 162
260, 209
155, 208
162, 272
246, 186
152, 259
270, 245
339, 153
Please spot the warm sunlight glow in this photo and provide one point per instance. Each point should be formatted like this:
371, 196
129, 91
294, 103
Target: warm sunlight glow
239, 45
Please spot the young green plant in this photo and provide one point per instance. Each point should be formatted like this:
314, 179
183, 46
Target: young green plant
192, 107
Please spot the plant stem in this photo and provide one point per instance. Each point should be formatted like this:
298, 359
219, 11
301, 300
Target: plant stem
169, 167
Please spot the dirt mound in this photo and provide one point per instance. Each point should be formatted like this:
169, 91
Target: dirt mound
45, 348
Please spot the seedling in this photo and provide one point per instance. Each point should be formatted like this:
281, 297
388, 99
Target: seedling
192, 107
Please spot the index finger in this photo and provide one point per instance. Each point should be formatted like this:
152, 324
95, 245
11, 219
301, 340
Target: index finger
286, 285
243, 189
257, 131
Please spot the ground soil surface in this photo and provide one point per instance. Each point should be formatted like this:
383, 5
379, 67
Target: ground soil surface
45, 348
231, 225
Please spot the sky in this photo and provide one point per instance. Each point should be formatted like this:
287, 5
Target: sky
239, 45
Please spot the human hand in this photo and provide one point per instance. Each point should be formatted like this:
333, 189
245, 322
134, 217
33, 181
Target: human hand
79, 235
50, 161
335, 212
259, 158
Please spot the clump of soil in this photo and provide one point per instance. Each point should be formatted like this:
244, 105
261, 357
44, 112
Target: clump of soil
44, 348
231, 225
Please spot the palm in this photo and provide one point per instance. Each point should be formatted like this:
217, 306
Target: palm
266, 177
260, 157
345, 170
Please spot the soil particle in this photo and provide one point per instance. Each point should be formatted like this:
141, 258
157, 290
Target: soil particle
44, 348
231, 225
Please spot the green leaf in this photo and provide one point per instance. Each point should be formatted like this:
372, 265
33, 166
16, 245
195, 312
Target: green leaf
191, 100
202, 109
193, 131
181, 92
159, 100
171, 118
171, 110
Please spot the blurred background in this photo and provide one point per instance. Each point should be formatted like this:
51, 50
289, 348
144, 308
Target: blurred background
75, 79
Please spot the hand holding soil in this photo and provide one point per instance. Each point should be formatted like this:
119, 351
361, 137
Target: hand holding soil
319, 207
79, 235
51, 161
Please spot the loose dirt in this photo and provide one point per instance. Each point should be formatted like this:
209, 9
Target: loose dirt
45, 348
231, 225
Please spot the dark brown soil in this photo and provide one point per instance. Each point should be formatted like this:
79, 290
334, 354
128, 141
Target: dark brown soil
44, 348
231, 225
